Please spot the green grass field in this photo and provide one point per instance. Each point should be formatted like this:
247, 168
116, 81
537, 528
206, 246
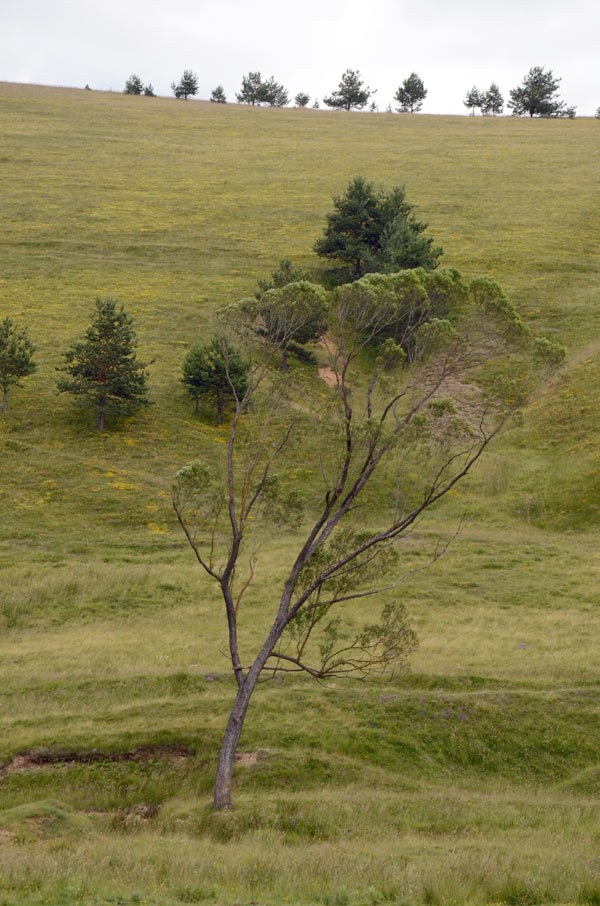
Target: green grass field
473, 780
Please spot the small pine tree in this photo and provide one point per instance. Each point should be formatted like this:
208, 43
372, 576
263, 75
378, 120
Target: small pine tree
475, 98
133, 85
250, 92
492, 101
16, 357
149, 90
218, 369
218, 95
411, 94
597, 113
286, 273
350, 93
187, 85
103, 371
301, 99
316, 104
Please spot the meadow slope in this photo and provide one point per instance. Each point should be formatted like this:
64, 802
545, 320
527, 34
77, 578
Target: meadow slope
475, 779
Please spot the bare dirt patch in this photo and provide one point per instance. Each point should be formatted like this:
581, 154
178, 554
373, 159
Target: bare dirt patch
327, 374
46, 759
248, 759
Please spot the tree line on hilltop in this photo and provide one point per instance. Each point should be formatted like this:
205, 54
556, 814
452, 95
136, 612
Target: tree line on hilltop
536, 96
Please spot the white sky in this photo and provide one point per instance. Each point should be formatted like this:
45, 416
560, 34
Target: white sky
451, 44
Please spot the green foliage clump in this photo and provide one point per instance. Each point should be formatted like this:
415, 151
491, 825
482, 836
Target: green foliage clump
285, 274
373, 230
216, 369
16, 357
103, 371
290, 314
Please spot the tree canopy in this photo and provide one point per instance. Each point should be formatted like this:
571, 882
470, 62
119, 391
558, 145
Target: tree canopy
376, 230
537, 95
16, 357
102, 372
350, 93
411, 94
293, 313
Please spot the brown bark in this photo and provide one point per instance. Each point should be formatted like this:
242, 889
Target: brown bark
101, 420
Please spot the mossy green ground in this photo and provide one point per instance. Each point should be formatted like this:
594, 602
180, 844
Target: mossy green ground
476, 779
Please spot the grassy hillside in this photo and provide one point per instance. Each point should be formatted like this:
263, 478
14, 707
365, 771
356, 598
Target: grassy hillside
476, 779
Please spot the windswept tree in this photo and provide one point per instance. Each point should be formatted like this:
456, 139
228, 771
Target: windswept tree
474, 99
371, 230
133, 85
103, 372
187, 86
218, 95
537, 95
406, 431
16, 357
351, 93
411, 94
218, 370
301, 99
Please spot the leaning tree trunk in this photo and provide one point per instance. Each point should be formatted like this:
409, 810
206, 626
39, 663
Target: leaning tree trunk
222, 790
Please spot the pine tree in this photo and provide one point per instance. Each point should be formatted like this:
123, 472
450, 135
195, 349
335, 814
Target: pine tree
217, 369
537, 95
373, 231
133, 85
218, 95
301, 99
16, 357
273, 93
475, 98
492, 101
103, 371
250, 92
187, 85
411, 94
350, 93
149, 90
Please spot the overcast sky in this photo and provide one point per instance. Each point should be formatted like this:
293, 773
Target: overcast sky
451, 44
